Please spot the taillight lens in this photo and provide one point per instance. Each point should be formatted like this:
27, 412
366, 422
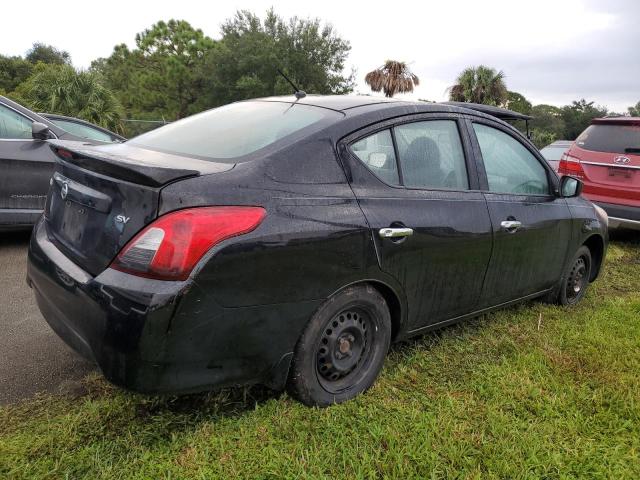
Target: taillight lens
570, 165
170, 247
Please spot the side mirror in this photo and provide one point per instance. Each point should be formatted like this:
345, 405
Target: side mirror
39, 131
570, 187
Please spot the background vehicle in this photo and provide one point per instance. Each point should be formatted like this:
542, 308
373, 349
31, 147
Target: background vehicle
289, 241
553, 152
84, 129
26, 163
606, 156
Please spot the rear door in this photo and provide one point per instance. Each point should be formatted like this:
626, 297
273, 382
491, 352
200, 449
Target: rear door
418, 190
26, 166
531, 225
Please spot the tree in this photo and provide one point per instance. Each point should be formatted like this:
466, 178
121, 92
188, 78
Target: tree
252, 50
164, 76
635, 111
547, 118
61, 89
391, 78
480, 84
518, 103
41, 52
13, 71
578, 116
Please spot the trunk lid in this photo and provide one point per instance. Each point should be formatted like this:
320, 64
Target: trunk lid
101, 196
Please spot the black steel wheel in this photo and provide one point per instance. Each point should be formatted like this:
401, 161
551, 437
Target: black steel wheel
341, 352
575, 281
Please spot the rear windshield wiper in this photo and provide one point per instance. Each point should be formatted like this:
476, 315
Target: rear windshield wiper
632, 150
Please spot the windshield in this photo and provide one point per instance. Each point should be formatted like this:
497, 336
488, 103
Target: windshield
234, 130
610, 138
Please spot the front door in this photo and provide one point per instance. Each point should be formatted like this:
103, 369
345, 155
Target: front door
429, 221
26, 165
531, 225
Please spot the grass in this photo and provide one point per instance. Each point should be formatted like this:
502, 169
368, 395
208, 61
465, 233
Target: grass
535, 391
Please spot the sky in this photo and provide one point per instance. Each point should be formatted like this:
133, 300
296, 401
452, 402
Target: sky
551, 51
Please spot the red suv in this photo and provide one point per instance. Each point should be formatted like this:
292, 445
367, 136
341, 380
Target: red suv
606, 156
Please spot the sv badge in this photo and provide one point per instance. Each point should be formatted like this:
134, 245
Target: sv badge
122, 219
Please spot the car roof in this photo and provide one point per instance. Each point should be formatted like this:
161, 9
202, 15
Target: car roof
502, 113
339, 103
560, 144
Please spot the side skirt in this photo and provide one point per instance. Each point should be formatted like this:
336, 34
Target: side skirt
444, 323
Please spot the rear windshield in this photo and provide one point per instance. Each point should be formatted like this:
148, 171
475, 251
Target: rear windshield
234, 130
610, 138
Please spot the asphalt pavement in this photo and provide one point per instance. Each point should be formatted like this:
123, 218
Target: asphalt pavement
32, 358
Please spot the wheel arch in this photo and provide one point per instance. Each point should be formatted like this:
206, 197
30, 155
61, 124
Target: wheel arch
397, 308
596, 245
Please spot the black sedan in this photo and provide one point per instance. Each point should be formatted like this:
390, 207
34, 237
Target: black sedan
289, 241
26, 161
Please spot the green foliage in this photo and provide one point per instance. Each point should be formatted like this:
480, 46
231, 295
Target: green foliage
175, 70
541, 138
41, 52
530, 392
578, 116
480, 84
164, 76
13, 71
518, 103
635, 111
547, 118
252, 50
63, 90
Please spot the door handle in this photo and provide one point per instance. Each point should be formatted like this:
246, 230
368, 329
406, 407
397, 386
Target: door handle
511, 226
395, 232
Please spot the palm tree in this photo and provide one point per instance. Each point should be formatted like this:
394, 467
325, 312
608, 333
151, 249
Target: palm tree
480, 84
391, 78
63, 90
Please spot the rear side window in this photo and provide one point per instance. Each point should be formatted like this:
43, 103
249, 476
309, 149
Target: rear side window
13, 125
431, 155
234, 130
610, 138
84, 131
509, 165
376, 152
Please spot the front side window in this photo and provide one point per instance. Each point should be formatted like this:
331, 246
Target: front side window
13, 125
234, 130
377, 153
431, 155
510, 166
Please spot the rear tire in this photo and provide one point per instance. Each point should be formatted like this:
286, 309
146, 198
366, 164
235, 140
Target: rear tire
575, 280
342, 349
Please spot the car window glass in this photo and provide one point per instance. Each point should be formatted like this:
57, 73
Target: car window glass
235, 130
431, 155
377, 153
510, 167
83, 131
13, 125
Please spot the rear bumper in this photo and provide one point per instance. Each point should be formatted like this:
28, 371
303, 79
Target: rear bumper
621, 216
156, 336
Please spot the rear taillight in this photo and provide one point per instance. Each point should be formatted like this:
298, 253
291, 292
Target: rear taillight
170, 247
570, 165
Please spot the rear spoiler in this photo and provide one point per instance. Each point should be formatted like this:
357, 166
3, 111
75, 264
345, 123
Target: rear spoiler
133, 164
634, 121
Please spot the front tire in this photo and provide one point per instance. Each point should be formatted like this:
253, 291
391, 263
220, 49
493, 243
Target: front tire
575, 281
342, 349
